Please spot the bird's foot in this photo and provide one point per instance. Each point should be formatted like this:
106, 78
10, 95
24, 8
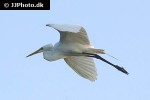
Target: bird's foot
121, 69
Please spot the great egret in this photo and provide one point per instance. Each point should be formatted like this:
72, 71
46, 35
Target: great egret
75, 48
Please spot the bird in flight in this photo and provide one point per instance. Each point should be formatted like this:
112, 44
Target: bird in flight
77, 51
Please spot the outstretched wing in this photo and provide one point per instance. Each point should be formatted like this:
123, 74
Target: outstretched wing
71, 33
84, 66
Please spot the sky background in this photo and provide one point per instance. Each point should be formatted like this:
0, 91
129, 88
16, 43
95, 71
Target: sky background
120, 27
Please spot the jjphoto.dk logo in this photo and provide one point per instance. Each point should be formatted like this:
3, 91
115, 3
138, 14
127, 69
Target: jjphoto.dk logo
24, 5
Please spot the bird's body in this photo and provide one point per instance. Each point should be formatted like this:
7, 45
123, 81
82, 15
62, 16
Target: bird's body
61, 50
75, 48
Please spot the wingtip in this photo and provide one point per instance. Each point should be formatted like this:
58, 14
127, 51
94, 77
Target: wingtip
50, 25
47, 24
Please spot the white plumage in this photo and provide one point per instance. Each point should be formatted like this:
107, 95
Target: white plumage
66, 27
84, 66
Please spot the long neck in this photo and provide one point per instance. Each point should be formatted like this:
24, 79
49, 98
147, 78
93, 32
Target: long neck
48, 55
52, 55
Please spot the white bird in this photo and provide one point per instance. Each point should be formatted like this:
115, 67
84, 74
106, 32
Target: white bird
77, 51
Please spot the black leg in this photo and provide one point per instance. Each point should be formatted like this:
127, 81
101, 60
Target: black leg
116, 66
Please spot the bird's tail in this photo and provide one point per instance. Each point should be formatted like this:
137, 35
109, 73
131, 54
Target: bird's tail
99, 51
96, 51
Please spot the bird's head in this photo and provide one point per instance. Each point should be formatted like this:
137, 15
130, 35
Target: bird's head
47, 47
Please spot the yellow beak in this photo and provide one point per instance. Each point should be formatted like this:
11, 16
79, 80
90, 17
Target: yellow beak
35, 52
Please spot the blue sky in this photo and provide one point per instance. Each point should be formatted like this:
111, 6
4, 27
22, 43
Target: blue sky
120, 27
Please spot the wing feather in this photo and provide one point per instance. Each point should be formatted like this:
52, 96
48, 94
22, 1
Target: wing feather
84, 66
71, 33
